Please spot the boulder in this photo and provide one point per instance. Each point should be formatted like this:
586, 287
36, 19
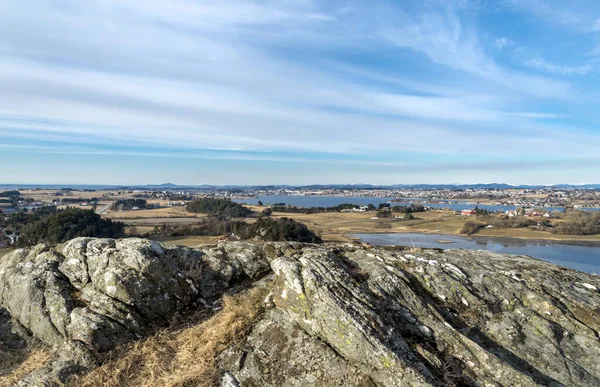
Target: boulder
404, 318
280, 353
36, 294
96, 294
338, 315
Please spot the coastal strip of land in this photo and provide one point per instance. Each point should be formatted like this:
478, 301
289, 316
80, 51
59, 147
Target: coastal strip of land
170, 209
337, 226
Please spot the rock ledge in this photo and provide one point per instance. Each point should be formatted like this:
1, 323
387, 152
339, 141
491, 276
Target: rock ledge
342, 315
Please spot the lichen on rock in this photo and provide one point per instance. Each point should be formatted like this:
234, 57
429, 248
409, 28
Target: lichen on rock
339, 314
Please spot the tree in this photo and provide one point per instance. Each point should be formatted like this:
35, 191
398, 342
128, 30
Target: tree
470, 227
267, 212
128, 204
133, 230
259, 203
219, 207
408, 209
265, 228
62, 225
10, 194
481, 212
313, 210
283, 229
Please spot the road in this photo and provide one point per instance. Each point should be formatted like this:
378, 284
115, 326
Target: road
102, 210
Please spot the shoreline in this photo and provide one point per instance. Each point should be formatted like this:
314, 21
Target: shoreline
471, 202
340, 226
499, 239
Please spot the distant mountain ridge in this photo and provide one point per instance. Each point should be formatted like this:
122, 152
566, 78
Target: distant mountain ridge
312, 186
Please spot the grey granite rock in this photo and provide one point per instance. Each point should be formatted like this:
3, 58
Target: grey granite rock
338, 315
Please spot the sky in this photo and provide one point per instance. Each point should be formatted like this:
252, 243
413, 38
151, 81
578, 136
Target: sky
299, 91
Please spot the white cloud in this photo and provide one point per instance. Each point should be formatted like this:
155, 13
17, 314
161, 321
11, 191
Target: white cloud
500, 43
443, 38
547, 116
215, 75
541, 64
579, 16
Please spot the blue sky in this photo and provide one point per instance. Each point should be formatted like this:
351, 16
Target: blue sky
299, 91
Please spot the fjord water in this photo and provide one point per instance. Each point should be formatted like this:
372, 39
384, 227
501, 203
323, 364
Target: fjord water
579, 257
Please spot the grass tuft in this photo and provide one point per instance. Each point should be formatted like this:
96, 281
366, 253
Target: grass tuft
182, 356
14, 365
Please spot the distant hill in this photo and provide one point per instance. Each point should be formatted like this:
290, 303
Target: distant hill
171, 186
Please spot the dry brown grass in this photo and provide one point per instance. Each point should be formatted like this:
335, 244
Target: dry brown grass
190, 241
181, 357
336, 226
48, 194
15, 365
164, 212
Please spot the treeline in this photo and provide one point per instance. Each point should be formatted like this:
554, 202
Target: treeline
266, 229
471, 227
408, 209
224, 208
281, 207
57, 226
10, 194
514, 222
390, 214
572, 223
282, 229
78, 200
485, 219
128, 204
10, 198
16, 220
579, 223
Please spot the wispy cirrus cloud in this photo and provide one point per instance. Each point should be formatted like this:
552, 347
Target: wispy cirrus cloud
579, 15
443, 38
541, 64
347, 80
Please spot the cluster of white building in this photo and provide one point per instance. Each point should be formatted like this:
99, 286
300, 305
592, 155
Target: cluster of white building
356, 209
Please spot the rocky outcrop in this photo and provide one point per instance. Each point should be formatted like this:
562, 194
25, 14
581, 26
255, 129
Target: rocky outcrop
91, 295
397, 318
338, 315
